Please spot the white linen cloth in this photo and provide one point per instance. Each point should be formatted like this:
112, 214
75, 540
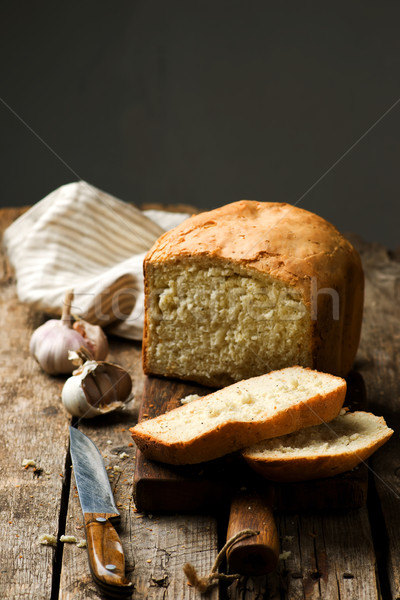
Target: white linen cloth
81, 238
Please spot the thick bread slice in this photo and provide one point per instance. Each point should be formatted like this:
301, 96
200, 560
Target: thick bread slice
320, 451
240, 415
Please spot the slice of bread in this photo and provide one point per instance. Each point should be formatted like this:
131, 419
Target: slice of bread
240, 415
320, 451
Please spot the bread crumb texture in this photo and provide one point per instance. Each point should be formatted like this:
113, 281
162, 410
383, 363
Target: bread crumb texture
46, 539
323, 450
190, 398
259, 398
215, 323
68, 539
346, 433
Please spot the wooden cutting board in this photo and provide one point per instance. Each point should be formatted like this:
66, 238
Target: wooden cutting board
209, 486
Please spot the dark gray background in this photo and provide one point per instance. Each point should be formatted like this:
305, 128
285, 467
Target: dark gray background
206, 102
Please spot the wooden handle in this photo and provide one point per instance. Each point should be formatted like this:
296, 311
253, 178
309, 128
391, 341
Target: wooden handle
259, 554
106, 556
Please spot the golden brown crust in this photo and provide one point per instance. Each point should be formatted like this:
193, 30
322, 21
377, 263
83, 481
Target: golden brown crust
302, 468
294, 245
233, 435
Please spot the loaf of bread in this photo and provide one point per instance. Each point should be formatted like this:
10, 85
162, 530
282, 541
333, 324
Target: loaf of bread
248, 288
240, 415
320, 451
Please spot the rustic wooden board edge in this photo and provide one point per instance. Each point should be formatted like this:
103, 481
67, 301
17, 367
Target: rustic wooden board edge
197, 494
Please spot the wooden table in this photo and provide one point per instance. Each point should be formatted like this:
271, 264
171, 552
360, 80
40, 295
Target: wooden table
351, 556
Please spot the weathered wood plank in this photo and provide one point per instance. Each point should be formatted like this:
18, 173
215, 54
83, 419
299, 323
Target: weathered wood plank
32, 427
379, 364
327, 556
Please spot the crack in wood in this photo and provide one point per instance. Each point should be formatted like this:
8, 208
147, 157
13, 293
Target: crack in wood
58, 555
338, 583
379, 538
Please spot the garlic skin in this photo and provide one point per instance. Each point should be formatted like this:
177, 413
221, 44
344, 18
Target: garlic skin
96, 388
51, 342
94, 338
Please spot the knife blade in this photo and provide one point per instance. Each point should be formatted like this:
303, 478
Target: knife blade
106, 555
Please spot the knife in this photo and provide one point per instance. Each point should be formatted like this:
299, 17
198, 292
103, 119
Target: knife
106, 555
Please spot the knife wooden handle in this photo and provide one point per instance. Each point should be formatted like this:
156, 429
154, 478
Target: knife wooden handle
259, 554
106, 555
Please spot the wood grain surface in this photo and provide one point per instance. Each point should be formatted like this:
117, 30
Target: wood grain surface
259, 554
378, 361
32, 427
347, 555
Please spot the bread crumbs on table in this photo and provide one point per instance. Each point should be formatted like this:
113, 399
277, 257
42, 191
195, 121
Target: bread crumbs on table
68, 539
47, 540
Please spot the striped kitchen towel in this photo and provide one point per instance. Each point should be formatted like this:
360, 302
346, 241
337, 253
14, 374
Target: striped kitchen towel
81, 238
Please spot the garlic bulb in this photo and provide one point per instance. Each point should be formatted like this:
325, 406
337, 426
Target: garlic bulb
52, 341
95, 388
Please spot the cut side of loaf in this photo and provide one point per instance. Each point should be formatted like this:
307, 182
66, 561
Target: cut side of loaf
216, 324
240, 415
320, 451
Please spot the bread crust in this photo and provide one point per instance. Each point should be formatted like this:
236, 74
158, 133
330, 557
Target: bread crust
302, 468
231, 436
296, 246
